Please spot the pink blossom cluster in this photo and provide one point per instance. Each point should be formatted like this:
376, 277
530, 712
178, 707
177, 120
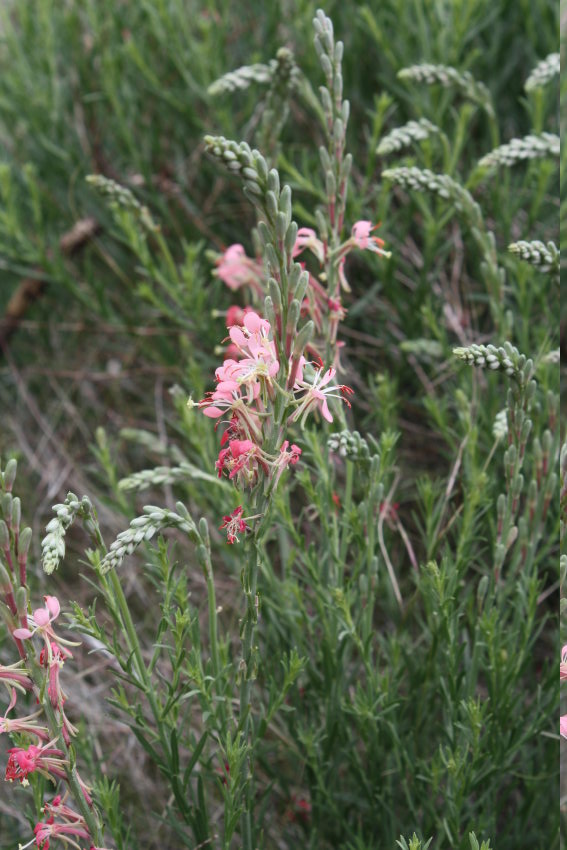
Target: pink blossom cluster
244, 397
45, 757
325, 308
68, 827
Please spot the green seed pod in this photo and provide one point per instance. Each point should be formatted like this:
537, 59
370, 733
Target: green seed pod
269, 312
264, 232
281, 226
275, 295
16, 513
24, 541
325, 159
338, 52
330, 184
293, 316
322, 222
303, 338
272, 257
285, 202
274, 182
6, 505
5, 580
21, 596
10, 473
301, 287
345, 112
338, 87
261, 165
326, 66
4, 535
293, 277
290, 237
271, 205
204, 532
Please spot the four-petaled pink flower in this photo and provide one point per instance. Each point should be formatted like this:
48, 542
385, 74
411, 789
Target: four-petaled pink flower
235, 269
234, 525
316, 395
362, 239
45, 759
41, 620
307, 238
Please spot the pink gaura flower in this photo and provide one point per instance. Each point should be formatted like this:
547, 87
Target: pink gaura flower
44, 832
361, 238
235, 270
23, 725
44, 759
307, 238
563, 726
41, 620
317, 393
234, 525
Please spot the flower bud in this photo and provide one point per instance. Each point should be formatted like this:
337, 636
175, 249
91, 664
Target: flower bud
10, 474
4, 535
16, 513
303, 338
24, 541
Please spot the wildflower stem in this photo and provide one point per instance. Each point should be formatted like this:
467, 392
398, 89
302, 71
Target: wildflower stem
37, 674
249, 580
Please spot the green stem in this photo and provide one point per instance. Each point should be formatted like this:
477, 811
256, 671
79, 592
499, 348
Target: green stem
91, 819
250, 618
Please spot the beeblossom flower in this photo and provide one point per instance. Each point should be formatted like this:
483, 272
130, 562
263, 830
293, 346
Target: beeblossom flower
362, 239
236, 270
22, 725
307, 238
234, 525
45, 759
316, 394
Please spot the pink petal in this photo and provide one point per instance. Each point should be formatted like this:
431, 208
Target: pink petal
325, 411
253, 322
212, 412
41, 617
563, 726
53, 606
237, 336
22, 634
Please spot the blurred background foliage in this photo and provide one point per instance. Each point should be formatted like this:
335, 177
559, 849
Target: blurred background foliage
106, 330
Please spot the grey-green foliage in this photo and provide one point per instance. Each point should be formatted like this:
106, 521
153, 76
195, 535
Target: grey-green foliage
545, 257
449, 77
504, 359
53, 544
352, 445
424, 180
544, 72
241, 78
520, 150
168, 475
402, 137
120, 197
143, 528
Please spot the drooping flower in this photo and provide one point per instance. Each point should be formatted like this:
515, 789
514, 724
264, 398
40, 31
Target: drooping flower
316, 395
44, 759
235, 269
23, 725
307, 238
234, 525
362, 239
563, 665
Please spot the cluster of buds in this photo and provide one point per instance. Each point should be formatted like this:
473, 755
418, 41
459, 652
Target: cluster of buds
245, 397
47, 732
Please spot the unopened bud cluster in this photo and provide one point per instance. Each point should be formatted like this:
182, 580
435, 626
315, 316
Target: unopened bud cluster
143, 528
520, 150
505, 359
423, 180
402, 137
351, 445
53, 544
447, 76
122, 198
546, 257
544, 72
